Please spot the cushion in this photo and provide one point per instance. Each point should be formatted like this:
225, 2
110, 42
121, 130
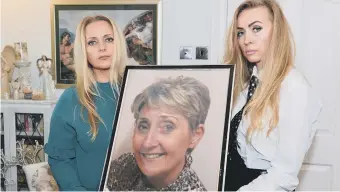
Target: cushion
39, 177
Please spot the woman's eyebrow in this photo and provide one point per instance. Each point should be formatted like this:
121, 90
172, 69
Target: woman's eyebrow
169, 116
251, 24
91, 38
142, 119
108, 35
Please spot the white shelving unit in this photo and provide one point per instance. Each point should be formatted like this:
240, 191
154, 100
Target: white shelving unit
15, 126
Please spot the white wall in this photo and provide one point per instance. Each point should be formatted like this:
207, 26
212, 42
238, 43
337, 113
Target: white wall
185, 23
32, 25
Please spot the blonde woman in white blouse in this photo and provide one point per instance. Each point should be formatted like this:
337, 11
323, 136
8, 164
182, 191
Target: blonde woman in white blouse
272, 127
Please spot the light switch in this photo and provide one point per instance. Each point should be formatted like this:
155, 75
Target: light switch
185, 53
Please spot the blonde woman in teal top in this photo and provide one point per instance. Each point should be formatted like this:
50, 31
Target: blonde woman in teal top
81, 123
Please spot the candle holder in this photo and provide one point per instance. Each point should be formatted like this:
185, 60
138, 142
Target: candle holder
24, 76
21, 51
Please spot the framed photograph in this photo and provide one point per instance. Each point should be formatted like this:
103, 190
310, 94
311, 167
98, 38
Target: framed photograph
171, 129
139, 21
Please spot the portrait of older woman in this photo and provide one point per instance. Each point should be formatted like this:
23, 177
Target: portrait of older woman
169, 122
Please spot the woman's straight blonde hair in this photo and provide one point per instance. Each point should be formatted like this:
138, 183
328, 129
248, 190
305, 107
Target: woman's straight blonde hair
275, 65
85, 78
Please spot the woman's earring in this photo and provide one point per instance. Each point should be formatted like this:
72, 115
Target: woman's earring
188, 159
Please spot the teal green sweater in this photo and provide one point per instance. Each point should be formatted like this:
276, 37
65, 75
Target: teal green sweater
76, 162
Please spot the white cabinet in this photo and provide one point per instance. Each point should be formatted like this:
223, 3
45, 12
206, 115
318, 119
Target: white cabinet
28, 120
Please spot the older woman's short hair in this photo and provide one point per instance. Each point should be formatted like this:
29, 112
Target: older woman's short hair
186, 95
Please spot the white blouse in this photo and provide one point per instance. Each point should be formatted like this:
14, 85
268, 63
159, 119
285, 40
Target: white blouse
283, 151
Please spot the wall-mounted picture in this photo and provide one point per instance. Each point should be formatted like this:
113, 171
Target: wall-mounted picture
138, 20
170, 130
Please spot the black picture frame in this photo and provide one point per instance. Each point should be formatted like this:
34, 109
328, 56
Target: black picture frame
222, 88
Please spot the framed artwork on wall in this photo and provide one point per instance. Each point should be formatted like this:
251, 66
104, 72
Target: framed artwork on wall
170, 130
139, 21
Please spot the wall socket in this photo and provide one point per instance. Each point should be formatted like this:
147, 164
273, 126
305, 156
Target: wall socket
202, 53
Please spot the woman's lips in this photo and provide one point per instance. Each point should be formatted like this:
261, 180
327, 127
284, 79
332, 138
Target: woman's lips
104, 57
250, 52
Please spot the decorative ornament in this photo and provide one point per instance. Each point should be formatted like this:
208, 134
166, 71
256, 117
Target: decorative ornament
24, 156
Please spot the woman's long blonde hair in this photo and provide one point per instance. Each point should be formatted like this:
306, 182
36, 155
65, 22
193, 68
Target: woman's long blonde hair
275, 65
85, 78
